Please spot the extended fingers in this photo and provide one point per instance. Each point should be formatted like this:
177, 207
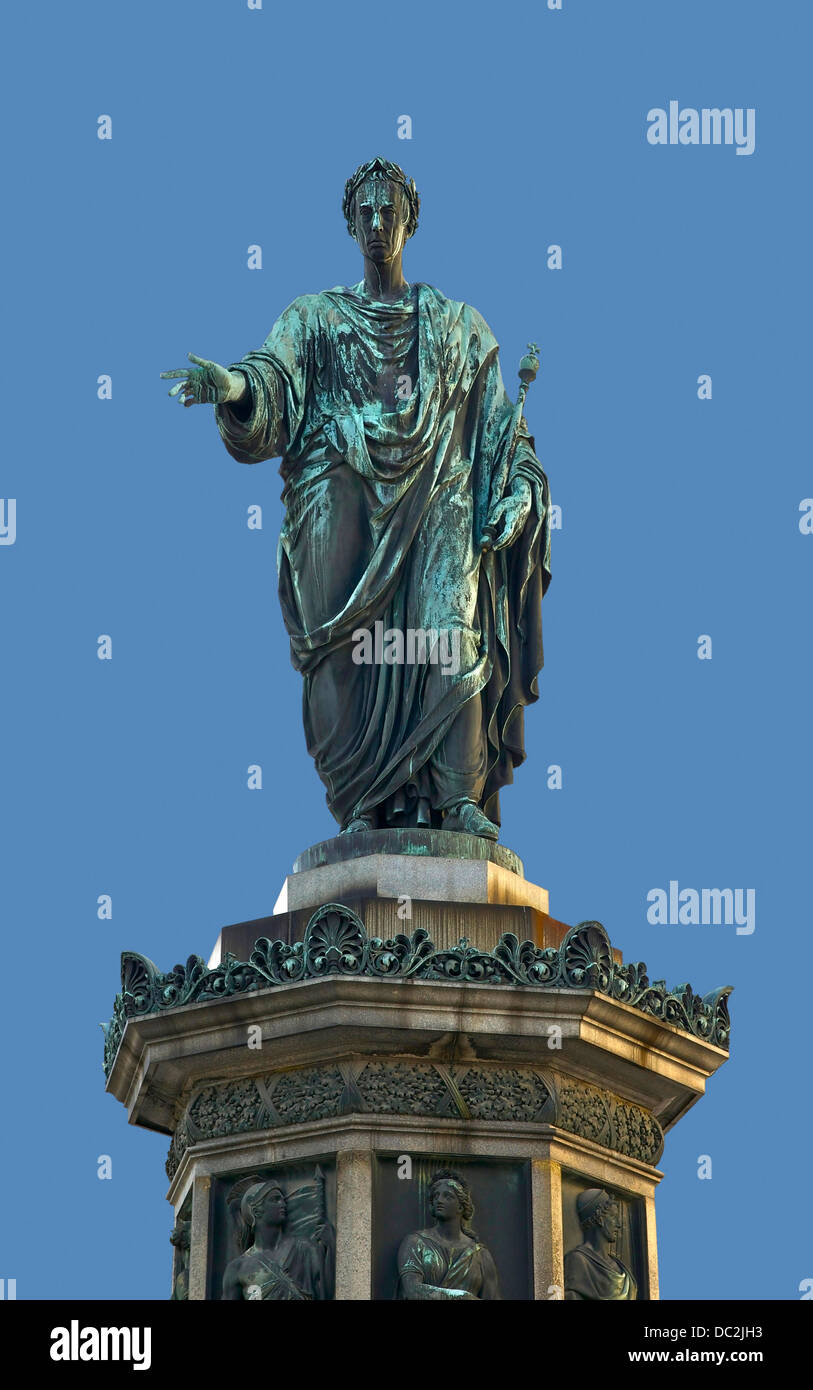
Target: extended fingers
188, 390
191, 383
199, 392
196, 393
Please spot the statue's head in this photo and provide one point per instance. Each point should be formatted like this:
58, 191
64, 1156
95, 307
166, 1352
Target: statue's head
180, 1234
381, 207
449, 1196
597, 1208
265, 1202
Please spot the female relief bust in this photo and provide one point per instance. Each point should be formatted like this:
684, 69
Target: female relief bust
447, 1260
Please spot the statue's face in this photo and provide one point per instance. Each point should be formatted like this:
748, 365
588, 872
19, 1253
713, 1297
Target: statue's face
271, 1210
444, 1201
611, 1221
380, 219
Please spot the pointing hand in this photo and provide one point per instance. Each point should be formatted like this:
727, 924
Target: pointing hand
207, 383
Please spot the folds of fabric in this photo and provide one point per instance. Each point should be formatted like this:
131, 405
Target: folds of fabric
469, 1268
386, 500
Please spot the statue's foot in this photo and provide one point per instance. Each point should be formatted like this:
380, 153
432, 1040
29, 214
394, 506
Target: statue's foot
356, 824
468, 818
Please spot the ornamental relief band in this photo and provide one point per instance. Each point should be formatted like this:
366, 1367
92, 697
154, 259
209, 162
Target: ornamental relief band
483, 1092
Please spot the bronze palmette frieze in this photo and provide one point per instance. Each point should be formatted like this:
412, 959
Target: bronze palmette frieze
336, 943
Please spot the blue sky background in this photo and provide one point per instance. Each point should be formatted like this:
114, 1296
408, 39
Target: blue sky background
680, 517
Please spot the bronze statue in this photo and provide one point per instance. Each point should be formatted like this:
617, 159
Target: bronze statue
277, 1265
447, 1260
592, 1272
415, 548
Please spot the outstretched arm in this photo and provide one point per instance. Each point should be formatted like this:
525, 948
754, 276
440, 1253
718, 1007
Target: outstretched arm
247, 400
260, 401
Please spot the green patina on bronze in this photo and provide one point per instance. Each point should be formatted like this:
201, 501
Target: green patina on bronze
414, 503
336, 943
421, 843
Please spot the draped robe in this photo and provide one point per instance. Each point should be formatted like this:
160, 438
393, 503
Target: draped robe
392, 423
290, 1274
468, 1269
592, 1276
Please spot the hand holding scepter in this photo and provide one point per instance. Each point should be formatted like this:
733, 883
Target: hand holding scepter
506, 515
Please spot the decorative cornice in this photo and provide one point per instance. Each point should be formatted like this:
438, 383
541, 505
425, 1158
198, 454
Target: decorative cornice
396, 1086
336, 943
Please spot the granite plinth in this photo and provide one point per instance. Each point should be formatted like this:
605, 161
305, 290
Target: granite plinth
397, 881
408, 876
394, 889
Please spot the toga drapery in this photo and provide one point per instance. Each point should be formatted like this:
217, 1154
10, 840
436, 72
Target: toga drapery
593, 1276
292, 1272
467, 1269
392, 421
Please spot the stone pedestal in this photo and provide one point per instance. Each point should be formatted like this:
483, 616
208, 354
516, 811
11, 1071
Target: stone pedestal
352, 1056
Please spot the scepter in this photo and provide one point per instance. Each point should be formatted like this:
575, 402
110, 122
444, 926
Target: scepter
528, 368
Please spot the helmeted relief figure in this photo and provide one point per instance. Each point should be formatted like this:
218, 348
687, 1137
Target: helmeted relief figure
276, 1265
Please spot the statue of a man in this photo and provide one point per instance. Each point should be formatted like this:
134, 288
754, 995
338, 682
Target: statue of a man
447, 1261
592, 1271
412, 561
276, 1266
